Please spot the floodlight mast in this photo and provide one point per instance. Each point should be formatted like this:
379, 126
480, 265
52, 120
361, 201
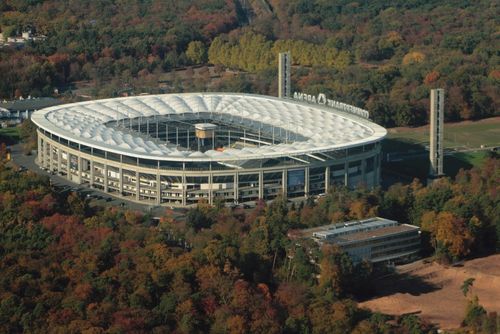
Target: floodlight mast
284, 75
436, 155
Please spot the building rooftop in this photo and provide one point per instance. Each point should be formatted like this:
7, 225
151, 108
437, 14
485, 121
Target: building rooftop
336, 230
343, 233
319, 128
380, 232
30, 104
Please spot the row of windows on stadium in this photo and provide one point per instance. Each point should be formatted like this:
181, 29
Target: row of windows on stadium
354, 167
212, 166
315, 173
256, 163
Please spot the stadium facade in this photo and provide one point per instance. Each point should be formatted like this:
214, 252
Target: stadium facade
177, 149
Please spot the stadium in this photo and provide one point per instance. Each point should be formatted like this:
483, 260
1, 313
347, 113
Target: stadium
178, 149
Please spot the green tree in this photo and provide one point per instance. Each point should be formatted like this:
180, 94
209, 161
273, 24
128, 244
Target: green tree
466, 285
474, 313
197, 219
336, 268
196, 52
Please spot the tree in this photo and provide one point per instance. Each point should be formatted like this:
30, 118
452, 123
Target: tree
196, 52
77, 205
474, 313
3, 151
276, 218
237, 325
413, 57
197, 219
61, 62
336, 317
466, 285
27, 132
451, 235
335, 270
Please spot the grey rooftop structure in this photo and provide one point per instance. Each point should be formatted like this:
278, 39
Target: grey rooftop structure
29, 104
373, 239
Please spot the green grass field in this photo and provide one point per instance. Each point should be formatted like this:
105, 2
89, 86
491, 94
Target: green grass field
466, 135
10, 135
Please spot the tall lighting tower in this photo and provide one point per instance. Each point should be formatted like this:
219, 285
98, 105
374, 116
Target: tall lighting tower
436, 133
284, 83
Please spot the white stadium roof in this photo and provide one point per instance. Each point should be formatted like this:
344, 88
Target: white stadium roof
321, 128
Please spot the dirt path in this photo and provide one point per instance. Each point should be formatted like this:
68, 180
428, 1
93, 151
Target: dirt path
435, 290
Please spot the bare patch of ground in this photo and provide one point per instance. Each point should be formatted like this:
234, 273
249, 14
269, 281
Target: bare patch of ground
434, 290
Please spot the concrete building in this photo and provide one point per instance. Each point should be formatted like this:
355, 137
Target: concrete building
179, 148
22, 109
375, 239
20, 41
284, 75
436, 133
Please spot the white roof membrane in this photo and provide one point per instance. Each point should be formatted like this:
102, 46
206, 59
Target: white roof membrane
321, 128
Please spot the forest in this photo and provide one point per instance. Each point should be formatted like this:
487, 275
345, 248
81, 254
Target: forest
68, 267
377, 55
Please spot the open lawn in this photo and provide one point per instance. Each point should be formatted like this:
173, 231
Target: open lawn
466, 134
462, 144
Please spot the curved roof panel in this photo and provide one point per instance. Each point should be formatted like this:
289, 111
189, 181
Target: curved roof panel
320, 128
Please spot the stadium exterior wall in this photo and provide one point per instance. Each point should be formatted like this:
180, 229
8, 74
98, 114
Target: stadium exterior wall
127, 178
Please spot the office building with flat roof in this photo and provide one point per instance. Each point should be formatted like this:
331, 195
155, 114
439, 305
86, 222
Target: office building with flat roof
374, 239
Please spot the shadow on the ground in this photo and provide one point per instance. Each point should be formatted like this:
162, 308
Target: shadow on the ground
452, 164
394, 283
405, 160
8, 140
390, 145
